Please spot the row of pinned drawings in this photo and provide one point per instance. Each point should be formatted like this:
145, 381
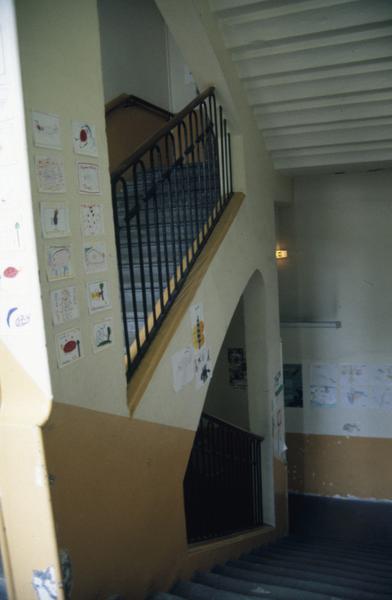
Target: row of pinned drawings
47, 134
69, 346
50, 176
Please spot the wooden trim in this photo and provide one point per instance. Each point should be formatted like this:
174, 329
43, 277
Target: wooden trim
127, 101
143, 374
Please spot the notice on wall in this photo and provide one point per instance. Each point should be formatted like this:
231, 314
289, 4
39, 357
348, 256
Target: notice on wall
323, 384
202, 355
293, 389
98, 296
54, 220
88, 176
84, 138
58, 262
69, 347
102, 335
278, 425
183, 367
91, 220
46, 130
64, 305
354, 386
50, 174
237, 368
94, 257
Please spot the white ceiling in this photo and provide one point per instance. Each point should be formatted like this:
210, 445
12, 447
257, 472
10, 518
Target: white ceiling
318, 75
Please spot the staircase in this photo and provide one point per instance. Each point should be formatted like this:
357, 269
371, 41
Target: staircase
296, 569
167, 198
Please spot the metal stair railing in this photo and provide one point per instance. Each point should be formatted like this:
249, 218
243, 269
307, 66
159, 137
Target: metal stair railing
167, 198
222, 484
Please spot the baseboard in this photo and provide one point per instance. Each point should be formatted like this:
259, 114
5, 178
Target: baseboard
352, 519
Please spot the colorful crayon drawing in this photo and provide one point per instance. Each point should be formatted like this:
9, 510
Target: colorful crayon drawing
69, 347
94, 257
98, 296
54, 220
58, 262
102, 335
83, 137
50, 174
91, 219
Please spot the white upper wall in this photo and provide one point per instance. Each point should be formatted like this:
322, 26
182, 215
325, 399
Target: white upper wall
338, 236
133, 46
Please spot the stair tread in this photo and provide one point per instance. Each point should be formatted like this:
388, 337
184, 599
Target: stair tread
312, 547
198, 591
305, 585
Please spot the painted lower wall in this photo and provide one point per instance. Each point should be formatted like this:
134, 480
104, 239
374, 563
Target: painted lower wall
337, 235
118, 503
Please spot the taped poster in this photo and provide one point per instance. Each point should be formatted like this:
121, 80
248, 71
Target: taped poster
183, 367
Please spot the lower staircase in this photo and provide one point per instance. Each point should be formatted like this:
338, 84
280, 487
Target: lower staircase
296, 569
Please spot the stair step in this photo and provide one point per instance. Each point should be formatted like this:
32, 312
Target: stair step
299, 584
166, 596
284, 571
198, 591
256, 589
315, 572
338, 550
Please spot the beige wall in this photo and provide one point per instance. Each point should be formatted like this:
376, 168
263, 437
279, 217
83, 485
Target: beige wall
337, 235
117, 488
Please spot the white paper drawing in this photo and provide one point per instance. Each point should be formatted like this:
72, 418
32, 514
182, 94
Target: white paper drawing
50, 174
102, 335
44, 584
322, 374
354, 386
98, 296
69, 347
64, 305
54, 220
91, 220
381, 398
84, 138
95, 257
197, 324
183, 367
380, 375
58, 262
354, 375
323, 396
46, 130
88, 175
203, 367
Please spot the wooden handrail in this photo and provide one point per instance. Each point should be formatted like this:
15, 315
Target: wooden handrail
127, 101
151, 141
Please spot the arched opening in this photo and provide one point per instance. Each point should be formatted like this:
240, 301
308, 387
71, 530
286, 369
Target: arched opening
228, 486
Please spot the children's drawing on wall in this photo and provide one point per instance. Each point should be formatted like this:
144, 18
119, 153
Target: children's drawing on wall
91, 220
44, 584
237, 368
354, 386
58, 262
381, 393
292, 381
64, 305
98, 296
50, 174
323, 384
202, 358
183, 367
88, 175
84, 139
102, 335
69, 347
46, 130
54, 220
94, 257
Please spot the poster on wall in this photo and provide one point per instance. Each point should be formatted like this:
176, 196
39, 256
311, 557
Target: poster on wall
237, 368
323, 384
84, 138
46, 130
354, 386
69, 347
102, 335
64, 305
91, 220
50, 174
203, 367
98, 296
94, 257
54, 220
292, 383
202, 356
381, 393
88, 176
58, 262
183, 367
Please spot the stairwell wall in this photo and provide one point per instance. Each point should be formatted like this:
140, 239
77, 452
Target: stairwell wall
117, 482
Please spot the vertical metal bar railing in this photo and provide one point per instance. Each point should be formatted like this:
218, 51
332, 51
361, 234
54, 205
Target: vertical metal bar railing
224, 494
171, 192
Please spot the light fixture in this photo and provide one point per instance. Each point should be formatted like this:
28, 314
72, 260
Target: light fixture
279, 254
